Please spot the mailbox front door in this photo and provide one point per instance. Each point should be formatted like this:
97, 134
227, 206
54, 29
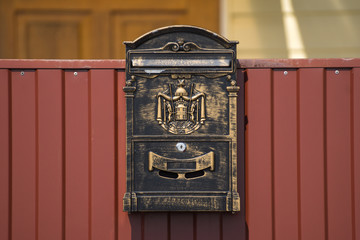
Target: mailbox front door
181, 96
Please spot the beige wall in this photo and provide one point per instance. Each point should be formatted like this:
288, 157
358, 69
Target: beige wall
293, 28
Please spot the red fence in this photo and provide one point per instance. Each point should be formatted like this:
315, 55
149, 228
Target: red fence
62, 154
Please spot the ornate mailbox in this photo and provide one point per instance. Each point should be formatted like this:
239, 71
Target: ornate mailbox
181, 110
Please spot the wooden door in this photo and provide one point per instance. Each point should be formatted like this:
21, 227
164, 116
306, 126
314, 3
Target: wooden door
79, 29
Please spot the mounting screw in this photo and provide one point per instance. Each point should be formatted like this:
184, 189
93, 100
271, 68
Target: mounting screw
75, 73
22, 73
285, 73
337, 72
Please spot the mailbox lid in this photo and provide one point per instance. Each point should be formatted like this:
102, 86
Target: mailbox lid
169, 35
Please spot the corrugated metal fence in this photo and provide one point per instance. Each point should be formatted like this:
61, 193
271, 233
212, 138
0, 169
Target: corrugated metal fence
62, 154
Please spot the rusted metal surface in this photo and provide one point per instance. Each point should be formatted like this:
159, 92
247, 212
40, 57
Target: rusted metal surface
181, 101
45, 180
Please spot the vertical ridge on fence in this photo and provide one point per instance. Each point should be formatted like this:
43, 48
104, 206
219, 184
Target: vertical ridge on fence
258, 157
77, 163
50, 155
23, 155
63, 172
182, 226
116, 156
155, 226
208, 226
311, 145
102, 174
90, 146
352, 152
5, 149
10, 157
285, 155
298, 155
356, 153
272, 154
338, 154
36, 155
325, 156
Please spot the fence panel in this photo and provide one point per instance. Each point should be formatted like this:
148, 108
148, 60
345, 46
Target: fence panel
63, 169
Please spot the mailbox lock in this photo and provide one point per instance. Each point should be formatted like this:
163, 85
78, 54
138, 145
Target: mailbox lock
181, 147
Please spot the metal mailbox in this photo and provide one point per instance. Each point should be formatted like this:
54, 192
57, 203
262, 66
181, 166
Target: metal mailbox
181, 109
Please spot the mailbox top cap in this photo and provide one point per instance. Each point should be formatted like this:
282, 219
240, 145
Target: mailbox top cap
180, 29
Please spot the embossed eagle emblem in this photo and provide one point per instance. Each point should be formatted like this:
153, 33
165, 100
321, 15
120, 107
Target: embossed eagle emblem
181, 112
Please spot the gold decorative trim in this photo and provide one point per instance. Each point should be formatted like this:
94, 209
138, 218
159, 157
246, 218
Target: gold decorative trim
181, 166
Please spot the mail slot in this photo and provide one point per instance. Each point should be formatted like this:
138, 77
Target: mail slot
181, 109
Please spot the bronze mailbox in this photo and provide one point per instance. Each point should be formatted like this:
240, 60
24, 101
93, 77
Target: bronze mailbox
181, 109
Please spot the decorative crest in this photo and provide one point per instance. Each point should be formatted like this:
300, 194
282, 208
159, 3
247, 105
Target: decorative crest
181, 112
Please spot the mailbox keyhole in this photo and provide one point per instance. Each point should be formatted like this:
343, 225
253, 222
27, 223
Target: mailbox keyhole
181, 147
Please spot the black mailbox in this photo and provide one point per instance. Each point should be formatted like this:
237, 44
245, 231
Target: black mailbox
181, 110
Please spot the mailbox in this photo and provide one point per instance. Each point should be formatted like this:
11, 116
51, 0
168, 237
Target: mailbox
181, 110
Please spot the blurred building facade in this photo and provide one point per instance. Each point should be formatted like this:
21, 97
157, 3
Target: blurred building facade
85, 29
95, 29
293, 28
